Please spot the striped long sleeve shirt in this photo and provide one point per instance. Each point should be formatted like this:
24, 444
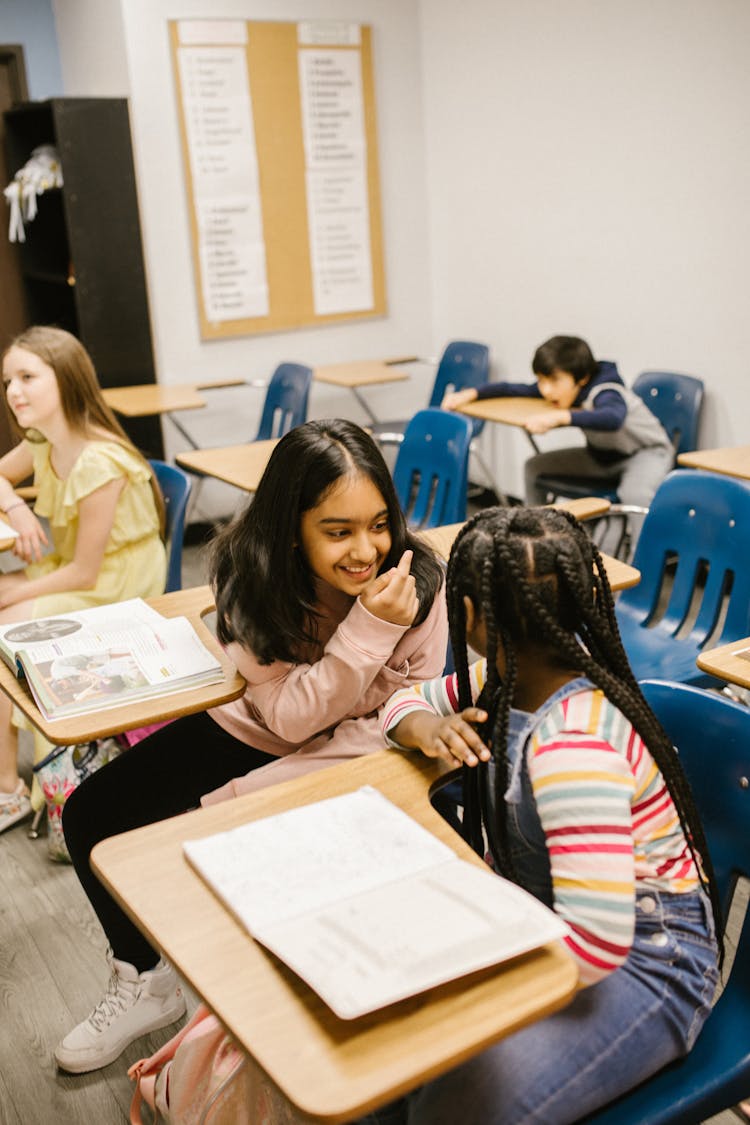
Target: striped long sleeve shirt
609, 822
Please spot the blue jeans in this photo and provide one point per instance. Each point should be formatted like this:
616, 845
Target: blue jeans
612, 1036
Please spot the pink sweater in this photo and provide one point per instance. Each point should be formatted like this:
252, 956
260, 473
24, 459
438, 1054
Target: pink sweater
326, 708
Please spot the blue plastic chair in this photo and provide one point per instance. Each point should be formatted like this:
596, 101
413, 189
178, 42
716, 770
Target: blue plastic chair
464, 363
694, 590
175, 488
676, 400
431, 473
713, 737
285, 405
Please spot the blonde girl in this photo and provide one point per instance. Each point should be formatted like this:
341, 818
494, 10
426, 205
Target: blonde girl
98, 494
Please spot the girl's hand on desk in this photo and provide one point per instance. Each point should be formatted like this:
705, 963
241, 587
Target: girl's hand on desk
450, 737
455, 399
393, 596
31, 538
550, 420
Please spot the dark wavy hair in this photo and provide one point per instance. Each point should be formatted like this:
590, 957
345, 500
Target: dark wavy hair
264, 589
565, 353
535, 573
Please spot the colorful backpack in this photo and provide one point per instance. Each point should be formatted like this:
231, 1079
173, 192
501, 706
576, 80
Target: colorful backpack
201, 1077
59, 774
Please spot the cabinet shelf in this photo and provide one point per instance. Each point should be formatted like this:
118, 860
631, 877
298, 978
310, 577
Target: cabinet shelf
49, 278
92, 221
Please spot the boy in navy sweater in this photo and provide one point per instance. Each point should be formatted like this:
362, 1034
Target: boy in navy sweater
626, 447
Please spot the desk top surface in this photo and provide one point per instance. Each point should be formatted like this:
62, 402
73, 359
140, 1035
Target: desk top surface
359, 373
143, 399
621, 575
332, 1069
732, 461
239, 465
152, 398
511, 411
725, 664
192, 604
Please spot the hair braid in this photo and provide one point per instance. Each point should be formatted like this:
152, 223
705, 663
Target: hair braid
536, 572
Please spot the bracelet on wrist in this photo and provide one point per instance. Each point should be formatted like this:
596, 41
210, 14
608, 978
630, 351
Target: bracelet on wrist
17, 504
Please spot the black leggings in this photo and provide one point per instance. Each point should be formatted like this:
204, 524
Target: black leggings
162, 776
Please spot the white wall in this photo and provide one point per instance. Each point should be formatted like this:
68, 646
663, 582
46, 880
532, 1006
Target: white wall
31, 23
578, 167
589, 172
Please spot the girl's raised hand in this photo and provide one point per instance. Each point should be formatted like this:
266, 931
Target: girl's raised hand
31, 537
393, 596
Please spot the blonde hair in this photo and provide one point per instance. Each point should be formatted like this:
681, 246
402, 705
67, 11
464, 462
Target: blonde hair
81, 396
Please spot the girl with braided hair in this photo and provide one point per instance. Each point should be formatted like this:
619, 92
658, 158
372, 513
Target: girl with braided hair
581, 799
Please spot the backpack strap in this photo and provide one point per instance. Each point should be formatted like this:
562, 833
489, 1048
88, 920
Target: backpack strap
146, 1071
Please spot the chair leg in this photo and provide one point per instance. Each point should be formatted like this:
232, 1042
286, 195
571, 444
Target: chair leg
36, 822
489, 475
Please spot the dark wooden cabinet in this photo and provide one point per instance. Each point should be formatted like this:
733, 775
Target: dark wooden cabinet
82, 261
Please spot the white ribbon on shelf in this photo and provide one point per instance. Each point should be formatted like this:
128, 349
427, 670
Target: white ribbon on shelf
41, 172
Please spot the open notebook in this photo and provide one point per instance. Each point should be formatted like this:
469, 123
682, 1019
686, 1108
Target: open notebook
366, 905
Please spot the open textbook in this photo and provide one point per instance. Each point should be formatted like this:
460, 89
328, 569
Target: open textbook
106, 656
366, 905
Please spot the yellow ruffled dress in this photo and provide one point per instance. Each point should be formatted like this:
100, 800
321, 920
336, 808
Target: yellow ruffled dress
135, 563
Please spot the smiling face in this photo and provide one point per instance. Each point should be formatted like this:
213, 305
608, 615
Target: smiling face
559, 388
31, 389
346, 537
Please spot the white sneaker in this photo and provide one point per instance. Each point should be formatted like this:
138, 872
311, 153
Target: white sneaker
134, 1004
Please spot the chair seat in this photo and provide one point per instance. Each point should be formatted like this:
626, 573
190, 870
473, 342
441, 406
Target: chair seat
656, 654
574, 488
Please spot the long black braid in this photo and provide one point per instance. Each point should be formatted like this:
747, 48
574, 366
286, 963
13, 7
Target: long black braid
534, 573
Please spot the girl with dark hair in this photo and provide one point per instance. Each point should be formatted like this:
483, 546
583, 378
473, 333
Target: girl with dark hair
100, 498
580, 796
326, 603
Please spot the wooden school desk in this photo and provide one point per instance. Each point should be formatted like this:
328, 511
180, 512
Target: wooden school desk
363, 373
621, 575
147, 399
239, 465
731, 462
509, 411
332, 1069
725, 665
193, 604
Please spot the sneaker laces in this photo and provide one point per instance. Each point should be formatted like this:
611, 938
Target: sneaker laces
117, 999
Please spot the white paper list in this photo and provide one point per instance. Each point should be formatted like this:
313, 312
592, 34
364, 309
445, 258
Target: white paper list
224, 167
336, 180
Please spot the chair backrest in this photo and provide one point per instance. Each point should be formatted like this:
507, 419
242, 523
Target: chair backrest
464, 363
712, 735
432, 468
286, 401
677, 401
700, 523
175, 488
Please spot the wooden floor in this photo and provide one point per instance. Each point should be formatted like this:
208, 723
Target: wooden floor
52, 973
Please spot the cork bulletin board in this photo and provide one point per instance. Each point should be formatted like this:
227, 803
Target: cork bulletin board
279, 141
